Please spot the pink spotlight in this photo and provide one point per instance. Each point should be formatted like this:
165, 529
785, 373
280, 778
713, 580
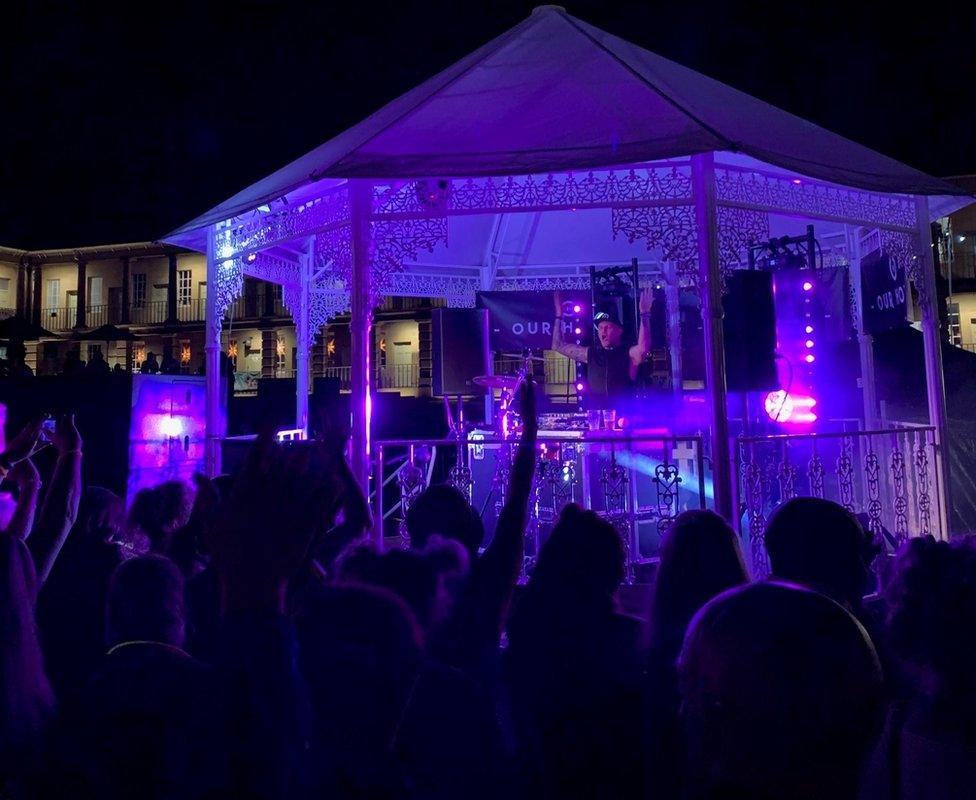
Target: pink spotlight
809, 343
579, 331
809, 358
577, 308
579, 387
807, 286
808, 329
781, 406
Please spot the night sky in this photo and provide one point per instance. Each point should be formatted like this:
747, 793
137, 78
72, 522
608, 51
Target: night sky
121, 125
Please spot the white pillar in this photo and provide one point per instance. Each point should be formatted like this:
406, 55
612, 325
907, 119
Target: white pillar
865, 341
303, 338
710, 289
672, 294
361, 328
934, 381
215, 420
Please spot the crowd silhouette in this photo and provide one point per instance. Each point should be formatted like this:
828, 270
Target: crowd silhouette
242, 637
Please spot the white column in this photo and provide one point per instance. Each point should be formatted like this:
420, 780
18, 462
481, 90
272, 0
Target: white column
710, 289
934, 381
361, 328
215, 419
303, 338
672, 294
865, 341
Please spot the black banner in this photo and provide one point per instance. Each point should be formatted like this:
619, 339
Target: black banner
884, 293
520, 321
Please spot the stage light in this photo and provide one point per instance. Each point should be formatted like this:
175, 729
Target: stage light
579, 387
579, 331
807, 286
808, 329
809, 358
577, 308
252, 257
781, 406
171, 427
622, 422
961, 239
809, 343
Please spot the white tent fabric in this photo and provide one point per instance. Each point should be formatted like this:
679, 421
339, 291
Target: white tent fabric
555, 94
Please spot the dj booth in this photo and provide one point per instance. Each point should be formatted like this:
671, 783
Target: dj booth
639, 481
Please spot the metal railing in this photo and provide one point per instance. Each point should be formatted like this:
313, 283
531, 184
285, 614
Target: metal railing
639, 483
889, 476
398, 376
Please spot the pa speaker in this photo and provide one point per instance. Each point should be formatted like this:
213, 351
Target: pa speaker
460, 350
750, 332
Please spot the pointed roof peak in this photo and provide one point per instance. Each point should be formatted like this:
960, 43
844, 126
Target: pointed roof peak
555, 93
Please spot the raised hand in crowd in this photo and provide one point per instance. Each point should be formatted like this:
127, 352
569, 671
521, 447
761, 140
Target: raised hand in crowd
60, 508
355, 517
282, 499
22, 445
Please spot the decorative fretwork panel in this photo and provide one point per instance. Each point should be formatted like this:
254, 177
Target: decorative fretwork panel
284, 222
267, 267
595, 189
779, 193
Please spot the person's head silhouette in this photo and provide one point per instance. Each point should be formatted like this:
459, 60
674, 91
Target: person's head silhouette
821, 544
781, 695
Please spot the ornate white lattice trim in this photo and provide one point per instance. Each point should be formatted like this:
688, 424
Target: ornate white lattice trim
542, 283
323, 306
673, 232
284, 222
272, 268
734, 185
397, 241
594, 189
226, 287
459, 291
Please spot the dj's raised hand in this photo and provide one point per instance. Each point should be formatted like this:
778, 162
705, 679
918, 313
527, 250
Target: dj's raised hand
646, 301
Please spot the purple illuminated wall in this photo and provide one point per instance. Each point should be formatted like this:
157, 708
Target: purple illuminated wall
167, 431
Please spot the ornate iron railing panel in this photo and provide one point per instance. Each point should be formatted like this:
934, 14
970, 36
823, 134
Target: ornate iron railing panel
887, 477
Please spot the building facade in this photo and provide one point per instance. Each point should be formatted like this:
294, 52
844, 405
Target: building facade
158, 293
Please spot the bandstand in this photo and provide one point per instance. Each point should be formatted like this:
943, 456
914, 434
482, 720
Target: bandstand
556, 147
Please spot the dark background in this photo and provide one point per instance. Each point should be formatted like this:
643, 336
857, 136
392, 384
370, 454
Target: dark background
120, 123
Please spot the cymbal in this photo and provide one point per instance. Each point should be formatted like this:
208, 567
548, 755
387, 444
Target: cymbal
497, 381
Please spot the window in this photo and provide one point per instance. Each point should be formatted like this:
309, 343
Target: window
92, 349
139, 290
4, 292
955, 332
95, 291
53, 292
184, 287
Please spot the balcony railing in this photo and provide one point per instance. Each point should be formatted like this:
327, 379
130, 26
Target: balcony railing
398, 376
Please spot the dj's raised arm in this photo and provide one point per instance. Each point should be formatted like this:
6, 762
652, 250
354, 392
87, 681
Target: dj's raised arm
577, 352
640, 350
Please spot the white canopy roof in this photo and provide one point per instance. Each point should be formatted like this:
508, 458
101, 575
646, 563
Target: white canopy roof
555, 94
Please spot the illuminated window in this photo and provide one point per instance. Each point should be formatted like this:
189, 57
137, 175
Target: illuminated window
139, 290
184, 287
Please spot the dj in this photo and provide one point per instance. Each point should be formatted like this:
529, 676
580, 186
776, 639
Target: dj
611, 366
